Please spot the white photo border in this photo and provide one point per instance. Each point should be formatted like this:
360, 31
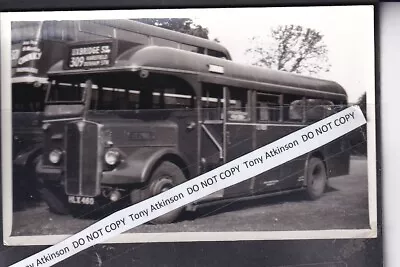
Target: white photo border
6, 140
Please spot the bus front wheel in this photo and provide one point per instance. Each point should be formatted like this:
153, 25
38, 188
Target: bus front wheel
316, 178
55, 199
166, 176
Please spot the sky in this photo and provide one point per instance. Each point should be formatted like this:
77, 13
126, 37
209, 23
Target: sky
348, 33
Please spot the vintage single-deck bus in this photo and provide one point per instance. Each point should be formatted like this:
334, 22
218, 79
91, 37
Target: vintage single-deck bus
154, 117
36, 46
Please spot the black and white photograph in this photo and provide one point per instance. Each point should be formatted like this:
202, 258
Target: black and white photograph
104, 109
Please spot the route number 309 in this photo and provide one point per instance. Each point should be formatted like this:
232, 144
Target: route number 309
76, 62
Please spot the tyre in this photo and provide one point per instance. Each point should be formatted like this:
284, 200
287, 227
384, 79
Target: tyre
166, 176
316, 178
55, 199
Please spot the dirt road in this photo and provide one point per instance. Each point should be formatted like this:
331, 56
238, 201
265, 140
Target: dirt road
344, 206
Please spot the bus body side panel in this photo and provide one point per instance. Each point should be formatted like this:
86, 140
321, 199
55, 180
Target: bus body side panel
265, 181
239, 142
337, 155
283, 177
292, 172
187, 137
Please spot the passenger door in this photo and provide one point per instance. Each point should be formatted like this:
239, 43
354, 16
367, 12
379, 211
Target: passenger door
212, 127
212, 131
240, 134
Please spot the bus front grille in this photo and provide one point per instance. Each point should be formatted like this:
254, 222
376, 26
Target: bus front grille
82, 175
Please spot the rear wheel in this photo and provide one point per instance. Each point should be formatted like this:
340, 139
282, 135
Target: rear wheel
316, 178
165, 177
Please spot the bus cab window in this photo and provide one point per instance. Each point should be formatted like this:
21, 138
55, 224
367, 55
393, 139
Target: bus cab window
109, 99
66, 92
28, 99
268, 107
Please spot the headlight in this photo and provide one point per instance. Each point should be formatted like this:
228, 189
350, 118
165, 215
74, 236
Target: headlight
55, 156
111, 157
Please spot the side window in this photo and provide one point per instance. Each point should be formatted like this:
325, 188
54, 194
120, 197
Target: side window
201, 50
170, 93
212, 102
238, 107
268, 107
22, 31
94, 28
69, 31
317, 109
131, 37
50, 31
59, 30
174, 99
133, 99
190, 48
215, 53
296, 110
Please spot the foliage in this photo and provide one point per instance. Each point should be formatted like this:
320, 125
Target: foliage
292, 48
184, 25
358, 139
362, 103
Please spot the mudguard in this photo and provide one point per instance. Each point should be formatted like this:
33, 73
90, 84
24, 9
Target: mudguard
24, 157
137, 167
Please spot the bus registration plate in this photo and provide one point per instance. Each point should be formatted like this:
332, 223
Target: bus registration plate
81, 200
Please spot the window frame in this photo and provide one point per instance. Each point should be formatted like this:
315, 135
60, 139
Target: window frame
206, 96
279, 107
247, 107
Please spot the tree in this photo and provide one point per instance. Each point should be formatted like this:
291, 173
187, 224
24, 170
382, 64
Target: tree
358, 138
362, 103
293, 49
184, 25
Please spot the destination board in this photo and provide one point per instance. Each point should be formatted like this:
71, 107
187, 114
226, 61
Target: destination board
92, 55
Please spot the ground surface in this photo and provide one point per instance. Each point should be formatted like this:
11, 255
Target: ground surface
344, 206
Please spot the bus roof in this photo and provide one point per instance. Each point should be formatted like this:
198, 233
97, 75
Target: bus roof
230, 73
171, 35
123, 24
49, 38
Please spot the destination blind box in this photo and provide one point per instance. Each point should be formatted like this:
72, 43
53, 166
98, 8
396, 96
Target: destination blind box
90, 55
